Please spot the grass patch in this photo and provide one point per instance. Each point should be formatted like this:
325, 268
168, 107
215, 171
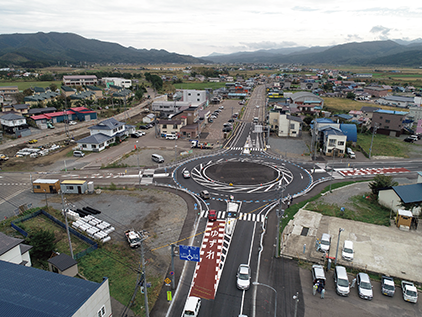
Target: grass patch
62, 244
199, 86
344, 105
384, 145
119, 264
361, 209
22, 85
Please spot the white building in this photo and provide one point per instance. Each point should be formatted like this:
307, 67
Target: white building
14, 251
103, 134
121, 82
195, 97
289, 126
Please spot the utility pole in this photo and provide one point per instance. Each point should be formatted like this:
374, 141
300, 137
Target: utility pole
143, 237
173, 286
374, 131
67, 225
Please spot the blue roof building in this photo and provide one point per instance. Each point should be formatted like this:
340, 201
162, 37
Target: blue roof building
30, 292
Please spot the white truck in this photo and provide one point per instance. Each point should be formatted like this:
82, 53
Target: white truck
410, 293
195, 144
133, 238
232, 209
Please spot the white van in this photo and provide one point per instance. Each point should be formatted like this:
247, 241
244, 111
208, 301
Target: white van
347, 252
157, 158
171, 136
78, 153
341, 281
192, 306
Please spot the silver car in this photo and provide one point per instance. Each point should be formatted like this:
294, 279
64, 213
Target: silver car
243, 277
364, 286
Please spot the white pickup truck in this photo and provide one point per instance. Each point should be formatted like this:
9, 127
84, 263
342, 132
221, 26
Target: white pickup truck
133, 238
410, 293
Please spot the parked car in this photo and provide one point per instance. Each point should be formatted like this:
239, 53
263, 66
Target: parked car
135, 135
318, 274
32, 141
186, 174
210, 120
325, 242
409, 140
387, 286
231, 120
171, 137
348, 251
78, 153
212, 215
72, 122
243, 277
341, 281
410, 293
364, 286
351, 153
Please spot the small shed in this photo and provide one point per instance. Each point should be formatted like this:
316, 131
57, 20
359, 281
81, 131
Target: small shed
404, 218
74, 186
63, 264
51, 186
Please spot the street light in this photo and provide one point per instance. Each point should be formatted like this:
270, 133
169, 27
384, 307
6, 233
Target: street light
275, 302
296, 299
338, 242
332, 167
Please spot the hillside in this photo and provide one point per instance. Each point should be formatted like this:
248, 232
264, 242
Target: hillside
365, 53
52, 48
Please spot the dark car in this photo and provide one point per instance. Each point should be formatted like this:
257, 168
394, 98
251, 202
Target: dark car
387, 286
135, 135
409, 140
143, 127
231, 120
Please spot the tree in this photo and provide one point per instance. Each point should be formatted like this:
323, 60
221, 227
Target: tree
42, 242
139, 94
350, 95
53, 87
381, 181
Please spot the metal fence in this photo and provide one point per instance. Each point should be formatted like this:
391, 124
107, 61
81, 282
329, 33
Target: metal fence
93, 244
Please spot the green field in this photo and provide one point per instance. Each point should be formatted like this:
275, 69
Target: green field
22, 85
384, 145
199, 85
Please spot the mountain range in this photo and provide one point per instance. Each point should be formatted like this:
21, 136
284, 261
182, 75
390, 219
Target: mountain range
45, 49
382, 53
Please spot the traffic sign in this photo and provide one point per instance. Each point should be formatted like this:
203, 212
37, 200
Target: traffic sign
167, 280
189, 253
171, 273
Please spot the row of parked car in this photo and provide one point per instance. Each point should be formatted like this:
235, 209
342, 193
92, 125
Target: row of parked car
363, 284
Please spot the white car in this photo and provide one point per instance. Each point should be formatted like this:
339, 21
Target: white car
325, 242
243, 277
72, 122
347, 252
186, 174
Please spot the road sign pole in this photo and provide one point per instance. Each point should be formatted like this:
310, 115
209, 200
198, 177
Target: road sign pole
172, 267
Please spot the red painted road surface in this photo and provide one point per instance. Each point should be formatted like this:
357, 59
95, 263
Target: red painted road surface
371, 171
205, 280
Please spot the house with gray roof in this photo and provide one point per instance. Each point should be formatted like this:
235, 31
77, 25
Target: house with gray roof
14, 250
397, 197
103, 134
13, 123
27, 291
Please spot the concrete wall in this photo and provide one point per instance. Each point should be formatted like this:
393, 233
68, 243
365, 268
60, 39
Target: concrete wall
12, 256
100, 299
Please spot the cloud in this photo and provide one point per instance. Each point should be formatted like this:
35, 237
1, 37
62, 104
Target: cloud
381, 32
353, 38
265, 45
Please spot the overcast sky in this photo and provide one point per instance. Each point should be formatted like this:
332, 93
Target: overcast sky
200, 28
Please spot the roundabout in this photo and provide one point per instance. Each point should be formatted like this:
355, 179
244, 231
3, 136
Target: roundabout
249, 177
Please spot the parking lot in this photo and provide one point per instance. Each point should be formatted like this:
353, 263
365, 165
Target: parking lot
352, 306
